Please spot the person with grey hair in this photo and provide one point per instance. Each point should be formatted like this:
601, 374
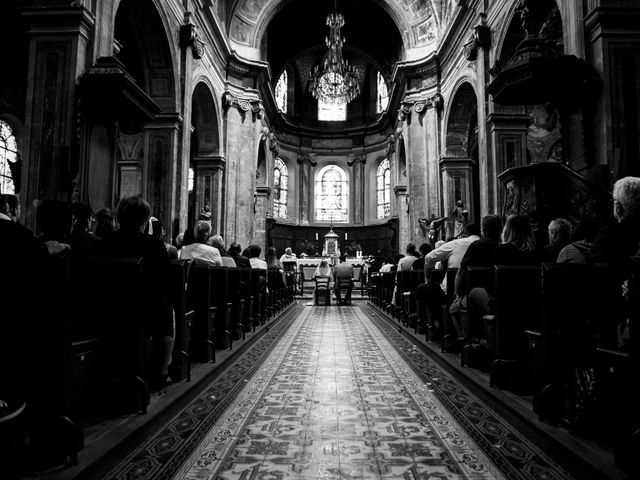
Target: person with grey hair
200, 250
559, 231
218, 242
616, 243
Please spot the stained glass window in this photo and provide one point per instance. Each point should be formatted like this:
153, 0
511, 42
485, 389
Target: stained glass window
332, 112
281, 92
8, 155
332, 195
383, 189
280, 188
383, 95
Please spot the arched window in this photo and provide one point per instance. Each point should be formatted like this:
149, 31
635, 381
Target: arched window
8, 155
383, 189
280, 188
332, 112
281, 92
382, 96
332, 195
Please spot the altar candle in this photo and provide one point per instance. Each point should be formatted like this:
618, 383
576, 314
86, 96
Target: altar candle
316, 235
346, 235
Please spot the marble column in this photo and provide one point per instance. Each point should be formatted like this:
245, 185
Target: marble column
242, 132
508, 129
305, 188
402, 204
208, 182
260, 208
357, 195
59, 39
160, 163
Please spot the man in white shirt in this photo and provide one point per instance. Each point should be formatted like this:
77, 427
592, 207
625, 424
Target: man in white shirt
431, 296
406, 262
255, 251
200, 249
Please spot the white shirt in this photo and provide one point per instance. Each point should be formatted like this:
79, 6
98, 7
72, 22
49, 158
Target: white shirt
203, 252
406, 262
257, 263
452, 252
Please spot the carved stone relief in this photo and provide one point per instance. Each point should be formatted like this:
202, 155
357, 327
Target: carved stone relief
544, 138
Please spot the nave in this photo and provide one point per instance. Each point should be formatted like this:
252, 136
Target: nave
332, 392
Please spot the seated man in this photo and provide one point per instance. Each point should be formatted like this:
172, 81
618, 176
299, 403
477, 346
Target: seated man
343, 277
200, 250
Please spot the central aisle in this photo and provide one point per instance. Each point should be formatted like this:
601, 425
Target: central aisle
334, 398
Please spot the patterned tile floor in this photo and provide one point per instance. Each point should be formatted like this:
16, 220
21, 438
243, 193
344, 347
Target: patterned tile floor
339, 395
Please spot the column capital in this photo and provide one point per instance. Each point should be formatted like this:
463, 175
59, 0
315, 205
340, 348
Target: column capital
243, 104
263, 191
419, 105
216, 162
309, 158
400, 190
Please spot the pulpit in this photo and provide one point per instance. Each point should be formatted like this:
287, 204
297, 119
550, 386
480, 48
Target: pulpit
544, 191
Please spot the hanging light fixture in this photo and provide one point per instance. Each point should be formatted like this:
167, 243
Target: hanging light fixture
334, 80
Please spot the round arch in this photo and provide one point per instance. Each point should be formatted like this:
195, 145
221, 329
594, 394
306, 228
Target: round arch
205, 137
142, 32
461, 120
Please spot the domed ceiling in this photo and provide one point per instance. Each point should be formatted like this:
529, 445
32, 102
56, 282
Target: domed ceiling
418, 23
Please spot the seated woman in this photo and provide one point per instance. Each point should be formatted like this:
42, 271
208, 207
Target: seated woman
323, 272
518, 247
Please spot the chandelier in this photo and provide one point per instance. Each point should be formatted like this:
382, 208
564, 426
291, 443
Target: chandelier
334, 80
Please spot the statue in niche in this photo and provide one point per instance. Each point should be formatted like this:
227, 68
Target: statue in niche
460, 219
544, 135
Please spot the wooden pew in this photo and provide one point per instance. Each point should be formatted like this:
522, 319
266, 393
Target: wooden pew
220, 298
201, 348
628, 444
248, 320
234, 278
517, 310
115, 335
181, 363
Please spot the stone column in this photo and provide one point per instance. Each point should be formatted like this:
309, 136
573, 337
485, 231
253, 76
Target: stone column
160, 163
208, 181
242, 133
357, 203
192, 50
261, 205
404, 235
305, 161
508, 138
130, 165
57, 58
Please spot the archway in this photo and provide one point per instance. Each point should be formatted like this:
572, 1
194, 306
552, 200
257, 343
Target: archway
459, 165
206, 200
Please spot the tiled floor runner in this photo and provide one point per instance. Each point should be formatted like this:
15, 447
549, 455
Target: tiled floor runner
335, 399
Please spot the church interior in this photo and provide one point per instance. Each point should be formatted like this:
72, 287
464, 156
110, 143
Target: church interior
271, 143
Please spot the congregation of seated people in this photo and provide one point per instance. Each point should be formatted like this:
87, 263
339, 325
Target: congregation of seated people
548, 318
81, 272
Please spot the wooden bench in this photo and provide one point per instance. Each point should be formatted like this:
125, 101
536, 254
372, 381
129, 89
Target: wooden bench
202, 347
